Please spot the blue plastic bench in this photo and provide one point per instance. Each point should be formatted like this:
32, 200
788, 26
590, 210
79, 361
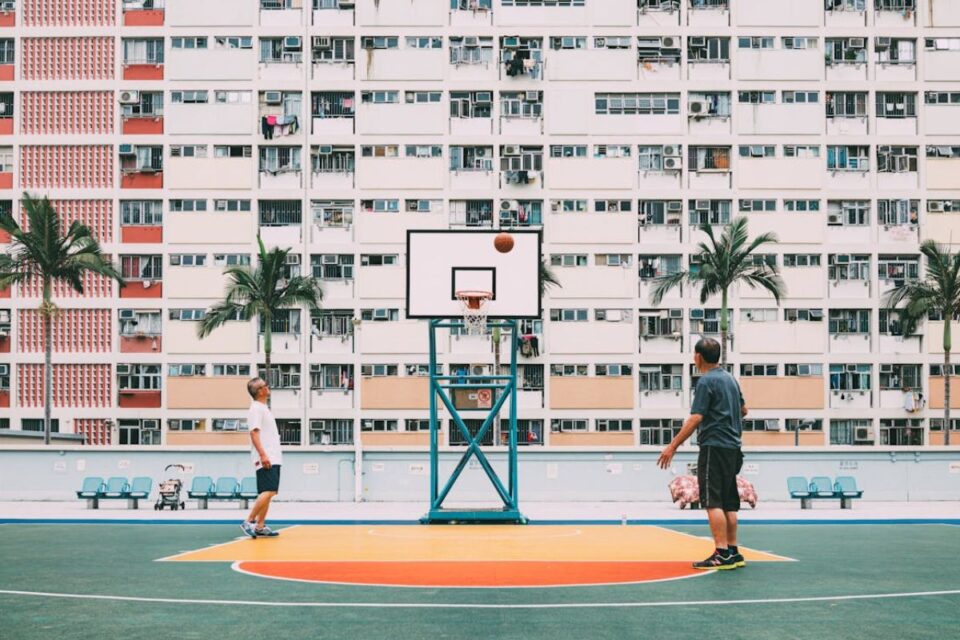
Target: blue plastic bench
822, 488
139, 490
201, 489
248, 491
90, 491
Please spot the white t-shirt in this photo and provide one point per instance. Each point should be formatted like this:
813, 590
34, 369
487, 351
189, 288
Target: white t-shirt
259, 417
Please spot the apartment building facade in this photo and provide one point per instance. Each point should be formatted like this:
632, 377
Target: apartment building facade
180, 130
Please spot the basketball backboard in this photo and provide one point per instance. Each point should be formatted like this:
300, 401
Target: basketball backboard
441, 262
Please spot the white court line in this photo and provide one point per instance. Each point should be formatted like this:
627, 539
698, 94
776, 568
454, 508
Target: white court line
690, 535
214, 546
236, 567
472, 605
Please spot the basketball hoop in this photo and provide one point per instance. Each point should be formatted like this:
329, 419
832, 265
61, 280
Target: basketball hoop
474, 307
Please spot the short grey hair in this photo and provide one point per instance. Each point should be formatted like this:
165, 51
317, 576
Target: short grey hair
252, 386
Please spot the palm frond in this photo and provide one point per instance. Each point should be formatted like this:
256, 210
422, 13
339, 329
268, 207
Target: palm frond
665, 284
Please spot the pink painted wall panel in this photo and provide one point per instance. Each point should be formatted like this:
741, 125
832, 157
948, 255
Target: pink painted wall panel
74, 331
94, 286
66, 112
96, 214
67, 13
74, 385
66, 167
67, 58
94, 430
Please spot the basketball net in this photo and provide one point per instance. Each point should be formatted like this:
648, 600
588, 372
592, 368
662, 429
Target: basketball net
473, 305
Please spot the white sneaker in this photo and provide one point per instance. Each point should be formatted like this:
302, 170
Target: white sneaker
247, 528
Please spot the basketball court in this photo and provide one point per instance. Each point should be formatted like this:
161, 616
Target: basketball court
98, 579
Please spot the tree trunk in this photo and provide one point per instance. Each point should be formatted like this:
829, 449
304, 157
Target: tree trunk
267, 349
724, 329
495, 336
47, 313
946, 377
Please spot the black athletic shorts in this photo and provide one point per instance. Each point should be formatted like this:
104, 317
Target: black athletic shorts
268, 479
717, 470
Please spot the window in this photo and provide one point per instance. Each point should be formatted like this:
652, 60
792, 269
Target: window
231, 259
899, 377
337, 322
378, 425
143, 51
846, 51
710, 158
232, 151
896, 159
658, 266
289, 431
280, 213
849, 321
331, 431
231, 205
568, 315
756, 206
715, 212
380, 42
185, 424
896, 269
138, 377
763, 424
333, 159
149, 104
804, 424
660, 212
232, 42
706, 49
845, 266
568, 370
188, 151
471, 50
614, 370
568, 42
757, 151
660, 377
637, 103
186, 370
895, 50
188, 315
36, 424
327, 49
568, 151
848, 158
803, 370
619, 425
847, 104
521, 104
287, 50
188, 259
331, 376
141, 267
803, 315
141, 213
614, 259
611, 151
193, 42
380, 315
422, 151
568, 260
378, 259
801, 151
188, 205
707, 321
421, 97
658, 432
229, 424
891, 323
7, 51
135, 432
759, 370
380, 206
665, 323
282, 376
851, 432
850, 377
222, 370
759, 315
756, 97
846, 213
558, 425
424, 42
799, 42
755, 42
332, 266
280, 159
801, 206
901, 432
380, 151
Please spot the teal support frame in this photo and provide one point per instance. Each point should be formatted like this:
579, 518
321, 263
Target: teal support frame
506, 387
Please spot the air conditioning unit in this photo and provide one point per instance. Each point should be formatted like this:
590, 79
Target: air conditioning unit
671, 150
698, 41
123, 369
857, 43
673, 163
511, 42
328, 259
483, 97
701, 205
128, 314
273, 97
674, 205
380, 314
325, 150
231, 425
882, 43
147, 284
772, 425
675, 313
834, 218
8, 5
150, 425
471, 41
126, 150
293, 43
321, 42
347, 4
935, 205
478, 369
4, 369
292, 258
886, 368
129, 97
669, 42
852, 368
480, 152
699, 107
531, 96
511, 150
863, 434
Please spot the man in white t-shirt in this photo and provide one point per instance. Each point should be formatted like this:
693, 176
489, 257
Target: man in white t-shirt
267, 458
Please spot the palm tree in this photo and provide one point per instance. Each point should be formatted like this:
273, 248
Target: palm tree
938, 291
724, 263
547, 279
262, 291
44, 251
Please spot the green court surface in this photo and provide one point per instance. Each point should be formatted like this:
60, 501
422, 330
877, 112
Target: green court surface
848, 581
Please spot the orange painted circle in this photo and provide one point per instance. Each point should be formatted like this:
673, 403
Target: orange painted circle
471, 574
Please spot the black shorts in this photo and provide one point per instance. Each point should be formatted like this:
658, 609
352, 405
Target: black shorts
268, 479
717, 470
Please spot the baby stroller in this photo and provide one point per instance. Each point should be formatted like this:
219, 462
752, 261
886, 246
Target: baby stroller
170, 491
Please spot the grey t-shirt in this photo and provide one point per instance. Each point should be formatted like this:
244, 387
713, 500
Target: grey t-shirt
719, 400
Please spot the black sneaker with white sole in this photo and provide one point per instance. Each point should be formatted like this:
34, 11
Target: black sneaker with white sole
716, 561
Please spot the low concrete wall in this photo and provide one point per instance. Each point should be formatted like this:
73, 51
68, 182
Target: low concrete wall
34, 473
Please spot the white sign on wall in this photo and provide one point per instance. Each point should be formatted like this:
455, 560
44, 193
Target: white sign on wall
123, 464
60, 465
849, 465
553, 471
615, 468
751, 469
418, 469
954, 467
81, 465
378, 467
311, 469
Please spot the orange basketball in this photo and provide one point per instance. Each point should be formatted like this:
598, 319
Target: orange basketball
503, 242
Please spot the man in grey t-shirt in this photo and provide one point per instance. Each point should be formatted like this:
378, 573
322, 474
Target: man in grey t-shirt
717, 411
